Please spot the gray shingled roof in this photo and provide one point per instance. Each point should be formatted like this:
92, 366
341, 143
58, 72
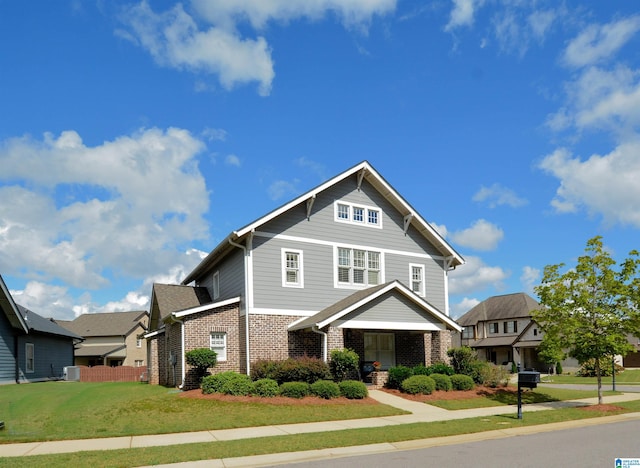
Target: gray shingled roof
105, 324
504, 307
42, 325
173, 298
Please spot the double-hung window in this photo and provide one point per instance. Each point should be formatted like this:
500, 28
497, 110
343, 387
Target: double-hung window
218, 343
511, 326
493, 328
417, 279
358, 267
292, 273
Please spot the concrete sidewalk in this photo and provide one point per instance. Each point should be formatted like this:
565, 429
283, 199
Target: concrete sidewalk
420, 412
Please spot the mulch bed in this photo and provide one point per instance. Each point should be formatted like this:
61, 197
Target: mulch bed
278, 400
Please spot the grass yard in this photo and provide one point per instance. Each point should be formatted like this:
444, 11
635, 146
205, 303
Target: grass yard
79, 410
299, 442
628, 377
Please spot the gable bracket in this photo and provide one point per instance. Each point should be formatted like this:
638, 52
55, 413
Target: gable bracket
447, 264
310, 205
407, 222
360, 178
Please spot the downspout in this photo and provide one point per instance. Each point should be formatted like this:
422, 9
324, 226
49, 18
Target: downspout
247, 296
325, 341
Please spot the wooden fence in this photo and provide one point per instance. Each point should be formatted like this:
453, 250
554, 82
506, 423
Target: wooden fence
113, 374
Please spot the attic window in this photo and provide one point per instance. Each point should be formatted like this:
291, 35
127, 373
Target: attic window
358, 214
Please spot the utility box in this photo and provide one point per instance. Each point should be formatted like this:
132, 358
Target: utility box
71, 373
529, 379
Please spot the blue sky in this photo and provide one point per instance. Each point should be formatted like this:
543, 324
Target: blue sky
135, 136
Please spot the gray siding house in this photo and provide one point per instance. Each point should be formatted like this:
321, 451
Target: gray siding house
348, 264
32, 348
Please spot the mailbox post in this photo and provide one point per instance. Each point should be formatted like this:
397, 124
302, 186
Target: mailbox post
526, 379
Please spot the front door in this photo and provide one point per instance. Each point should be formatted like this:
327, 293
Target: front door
380, 347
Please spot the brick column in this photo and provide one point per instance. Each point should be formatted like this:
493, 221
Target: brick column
427, 349
440, 343
335, 340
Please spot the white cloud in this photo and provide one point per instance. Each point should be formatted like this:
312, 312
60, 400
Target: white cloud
529, 278
604, 185
463, 13
441, 228
213, 134
174, 40
80, 213
497, 195
232, 160
597, 43
476, 276
462, 307
282, 188
482, 235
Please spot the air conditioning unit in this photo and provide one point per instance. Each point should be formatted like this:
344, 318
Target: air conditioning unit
71, 373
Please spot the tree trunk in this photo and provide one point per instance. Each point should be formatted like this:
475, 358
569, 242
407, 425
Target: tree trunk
599, 375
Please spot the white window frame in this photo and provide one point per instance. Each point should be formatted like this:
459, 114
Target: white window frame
138, 342
216, 285
139, 363
218, 343
29, 358
358, 214
421, 268
365, 266
285, 268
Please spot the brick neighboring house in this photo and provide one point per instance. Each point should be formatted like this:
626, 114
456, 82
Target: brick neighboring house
348, 264
32, 348
502, 331
110, 338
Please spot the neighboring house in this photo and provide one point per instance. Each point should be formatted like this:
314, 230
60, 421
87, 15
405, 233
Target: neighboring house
633, 358
347, 264
110, 338
32, 348
501, 330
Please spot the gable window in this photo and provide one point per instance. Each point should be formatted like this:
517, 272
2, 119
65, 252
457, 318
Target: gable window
30, 358
138, 342
216, 285
417, 279
218, 343
511, 326
358, 267
358, 214
292, 276
493, 327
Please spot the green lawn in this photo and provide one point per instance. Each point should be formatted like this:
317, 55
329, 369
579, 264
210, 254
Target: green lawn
628, 377
78, 410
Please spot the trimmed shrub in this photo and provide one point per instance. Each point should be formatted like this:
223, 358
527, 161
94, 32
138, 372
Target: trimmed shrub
397, 375
441, 368
238, 384
265, 388
443, 382
265, 369
326, 389
462, 382
421, 369
304, 369
294, 389
418, 384
353, 389
201, 359
214, 383
344, 364
558, 368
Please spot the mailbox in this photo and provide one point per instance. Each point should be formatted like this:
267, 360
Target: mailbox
529, 379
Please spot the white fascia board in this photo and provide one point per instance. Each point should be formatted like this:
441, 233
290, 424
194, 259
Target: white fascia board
371, 324
202, 308
425, 305
153, 333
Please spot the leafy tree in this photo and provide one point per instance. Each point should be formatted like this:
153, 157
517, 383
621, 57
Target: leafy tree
589, 310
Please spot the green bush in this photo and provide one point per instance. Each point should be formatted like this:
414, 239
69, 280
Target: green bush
462, 360
326, 389
421, 369
304, 369
238, 384
418, 384
494, 376
588, 368
265, 388
397, 375
344, 364
479, 371
440, 368
353, 389
462, 382
558, 368
443, 382
294, 389
201, 359
214, 383
265, 369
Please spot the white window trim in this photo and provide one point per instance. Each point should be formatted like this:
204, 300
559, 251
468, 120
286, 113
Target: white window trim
216, 285
220, 356
422, 268
138, 342
351, 284
283, 257
365, 221
29, 369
